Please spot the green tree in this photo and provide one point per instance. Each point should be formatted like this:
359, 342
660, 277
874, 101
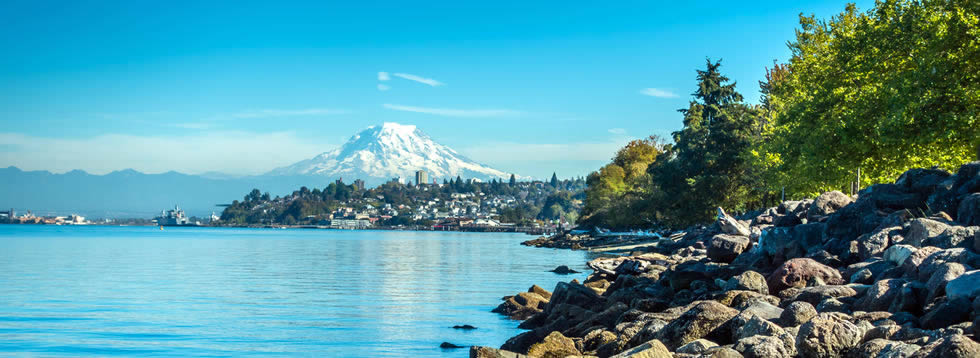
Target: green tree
614, 193
708, 165
887, 90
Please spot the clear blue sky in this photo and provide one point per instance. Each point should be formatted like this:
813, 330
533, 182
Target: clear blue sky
240, 87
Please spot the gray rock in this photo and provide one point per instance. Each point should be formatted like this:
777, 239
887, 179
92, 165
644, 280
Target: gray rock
957, 346
697, 346
827, 335
764, 310
965, 286
882, 348
705, 319
731, 226
922, 229
816, 294
748, 281
724, 248
875, 243
897, 254
721, 352
933, 262
911, 264
797, 313
762, 347
946, 272
826, 204
954, 236
757, 326
833, 305
946, 314
863, 276
651, 349
968, 212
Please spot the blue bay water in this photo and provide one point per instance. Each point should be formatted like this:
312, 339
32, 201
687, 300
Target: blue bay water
99, 291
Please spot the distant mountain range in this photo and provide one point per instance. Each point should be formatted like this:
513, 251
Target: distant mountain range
375, 155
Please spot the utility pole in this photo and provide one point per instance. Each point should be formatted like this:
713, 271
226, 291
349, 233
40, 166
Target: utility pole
857, 185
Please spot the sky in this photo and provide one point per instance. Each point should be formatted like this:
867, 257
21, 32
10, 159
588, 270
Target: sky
530, 87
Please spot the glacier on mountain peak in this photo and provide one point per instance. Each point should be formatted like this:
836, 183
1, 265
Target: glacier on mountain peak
391, 150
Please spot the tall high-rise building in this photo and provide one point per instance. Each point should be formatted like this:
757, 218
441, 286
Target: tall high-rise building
421, 177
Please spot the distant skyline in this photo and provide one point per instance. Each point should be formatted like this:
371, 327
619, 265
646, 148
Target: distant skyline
244, 87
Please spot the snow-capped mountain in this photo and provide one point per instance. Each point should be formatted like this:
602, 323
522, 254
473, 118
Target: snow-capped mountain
392, 150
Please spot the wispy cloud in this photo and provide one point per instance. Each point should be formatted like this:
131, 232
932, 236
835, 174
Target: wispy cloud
383, 87
449, 112
383, 76
266, 113
419, 79
657, 92
617, 131
232, 152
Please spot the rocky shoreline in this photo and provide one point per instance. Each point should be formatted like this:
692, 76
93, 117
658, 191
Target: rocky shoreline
892, 272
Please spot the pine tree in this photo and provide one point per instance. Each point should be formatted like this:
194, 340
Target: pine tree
513, 180
707, 166
554, 180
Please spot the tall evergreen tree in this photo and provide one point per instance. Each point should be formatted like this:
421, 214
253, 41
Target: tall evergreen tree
554, 180
707, 166
513, 180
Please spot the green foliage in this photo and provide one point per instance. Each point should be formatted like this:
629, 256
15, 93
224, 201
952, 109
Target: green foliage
614, 192
536, 201
708, 166
887, 90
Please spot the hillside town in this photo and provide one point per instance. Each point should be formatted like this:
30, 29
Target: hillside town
11, 217
455, 204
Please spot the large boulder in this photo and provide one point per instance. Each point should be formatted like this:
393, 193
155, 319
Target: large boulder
922, 229
554, 345
705, 319
910, 266
937, 282
828, 335
875, 243
522, 306
882, 348
731, 226
932, 262
796, 273
954, 236
797, 313
816, 294
762, 347
697, 346
966, 286
922, 180
826, 204
968, 212
757, 326
851, 221
724, 248
956, 346
897, 254
487, 352
748, 281
574, 294
880, 295
650, 349
947, 313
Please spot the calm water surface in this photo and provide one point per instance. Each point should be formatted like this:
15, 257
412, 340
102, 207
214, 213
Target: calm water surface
97, 291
